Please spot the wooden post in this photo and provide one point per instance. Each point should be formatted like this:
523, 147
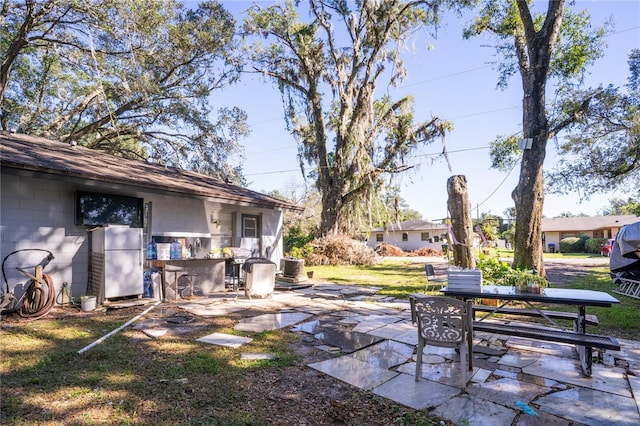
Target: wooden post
461, 224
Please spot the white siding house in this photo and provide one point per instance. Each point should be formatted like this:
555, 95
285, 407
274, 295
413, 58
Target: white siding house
39, 186
410, 235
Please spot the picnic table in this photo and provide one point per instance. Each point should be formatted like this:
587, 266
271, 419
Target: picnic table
561, 296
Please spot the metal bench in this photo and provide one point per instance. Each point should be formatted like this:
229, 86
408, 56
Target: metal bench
590, 319
584, 342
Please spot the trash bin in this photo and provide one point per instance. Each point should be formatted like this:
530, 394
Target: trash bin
260, 277
552, 248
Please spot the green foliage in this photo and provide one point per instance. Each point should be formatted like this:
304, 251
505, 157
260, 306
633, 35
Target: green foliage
504, 153
602, 151
390, 208
126, 77
573, 244
296, 243
592, 245
353, 141
493, 270
500, 273
618, 206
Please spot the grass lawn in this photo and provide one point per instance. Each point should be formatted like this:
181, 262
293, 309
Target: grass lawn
399, 278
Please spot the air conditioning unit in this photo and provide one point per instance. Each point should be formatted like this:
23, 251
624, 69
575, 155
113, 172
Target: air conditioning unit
293, 268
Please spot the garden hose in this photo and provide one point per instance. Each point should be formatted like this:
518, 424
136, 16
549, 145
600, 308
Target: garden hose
39, 297
38, 302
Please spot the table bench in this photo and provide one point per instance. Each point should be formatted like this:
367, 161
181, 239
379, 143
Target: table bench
590, 319
584, 342
580, 298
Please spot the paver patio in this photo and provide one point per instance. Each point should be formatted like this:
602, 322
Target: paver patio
515, 380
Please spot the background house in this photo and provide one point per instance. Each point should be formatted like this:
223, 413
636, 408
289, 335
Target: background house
410, 235
41, 180
555, 229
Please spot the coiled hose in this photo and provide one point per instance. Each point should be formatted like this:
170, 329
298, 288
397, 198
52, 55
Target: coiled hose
38, 300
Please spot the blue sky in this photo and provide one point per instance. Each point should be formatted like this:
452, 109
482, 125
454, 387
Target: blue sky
453, 81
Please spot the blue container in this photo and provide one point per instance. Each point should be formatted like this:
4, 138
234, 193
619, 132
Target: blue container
148, 283
175, 252
152, 250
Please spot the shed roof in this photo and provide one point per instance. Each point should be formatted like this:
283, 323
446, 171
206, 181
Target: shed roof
34, 154
586, 223
411, 225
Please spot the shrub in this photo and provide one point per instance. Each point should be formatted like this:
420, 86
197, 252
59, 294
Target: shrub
500, 273
573, 244
569, 245
493, 270
592, 245
296, 243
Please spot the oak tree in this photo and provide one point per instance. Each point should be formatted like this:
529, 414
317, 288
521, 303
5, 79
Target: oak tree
131, 78
333, 71
553, 46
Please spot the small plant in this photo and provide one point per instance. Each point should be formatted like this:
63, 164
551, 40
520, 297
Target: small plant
301, 252
500, 273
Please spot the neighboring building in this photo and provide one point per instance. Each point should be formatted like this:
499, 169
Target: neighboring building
410, 235
43, 181
554, 230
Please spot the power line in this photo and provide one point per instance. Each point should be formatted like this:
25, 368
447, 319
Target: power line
499, 185
273, 172
442, 77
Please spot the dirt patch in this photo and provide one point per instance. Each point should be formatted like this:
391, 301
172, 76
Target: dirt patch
561, 273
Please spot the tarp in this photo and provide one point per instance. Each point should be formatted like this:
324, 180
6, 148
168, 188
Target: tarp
624, 256
628, 239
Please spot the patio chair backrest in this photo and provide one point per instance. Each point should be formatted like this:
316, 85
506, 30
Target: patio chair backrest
442, 321
445, 322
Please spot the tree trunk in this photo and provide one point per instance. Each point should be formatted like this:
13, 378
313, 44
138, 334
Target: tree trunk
461, 224
529, 194
332, 204
534, 60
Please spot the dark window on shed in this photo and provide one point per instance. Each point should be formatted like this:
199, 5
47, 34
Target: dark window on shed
405, 236
250, 226
379, 237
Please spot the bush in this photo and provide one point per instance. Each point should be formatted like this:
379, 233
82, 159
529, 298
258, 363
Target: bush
340, 250
493, 271
500, 273
296, 243
573, 244
592, 245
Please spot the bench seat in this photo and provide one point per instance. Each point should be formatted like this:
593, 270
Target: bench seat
548, 334
590, 319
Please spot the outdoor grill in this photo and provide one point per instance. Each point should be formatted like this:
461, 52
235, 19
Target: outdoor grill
238, 256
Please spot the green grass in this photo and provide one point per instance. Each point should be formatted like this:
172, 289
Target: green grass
399, 278
621, 320
396, 277
126, 379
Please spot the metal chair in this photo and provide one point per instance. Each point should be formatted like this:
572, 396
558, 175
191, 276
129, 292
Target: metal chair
443, 322
433, 282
